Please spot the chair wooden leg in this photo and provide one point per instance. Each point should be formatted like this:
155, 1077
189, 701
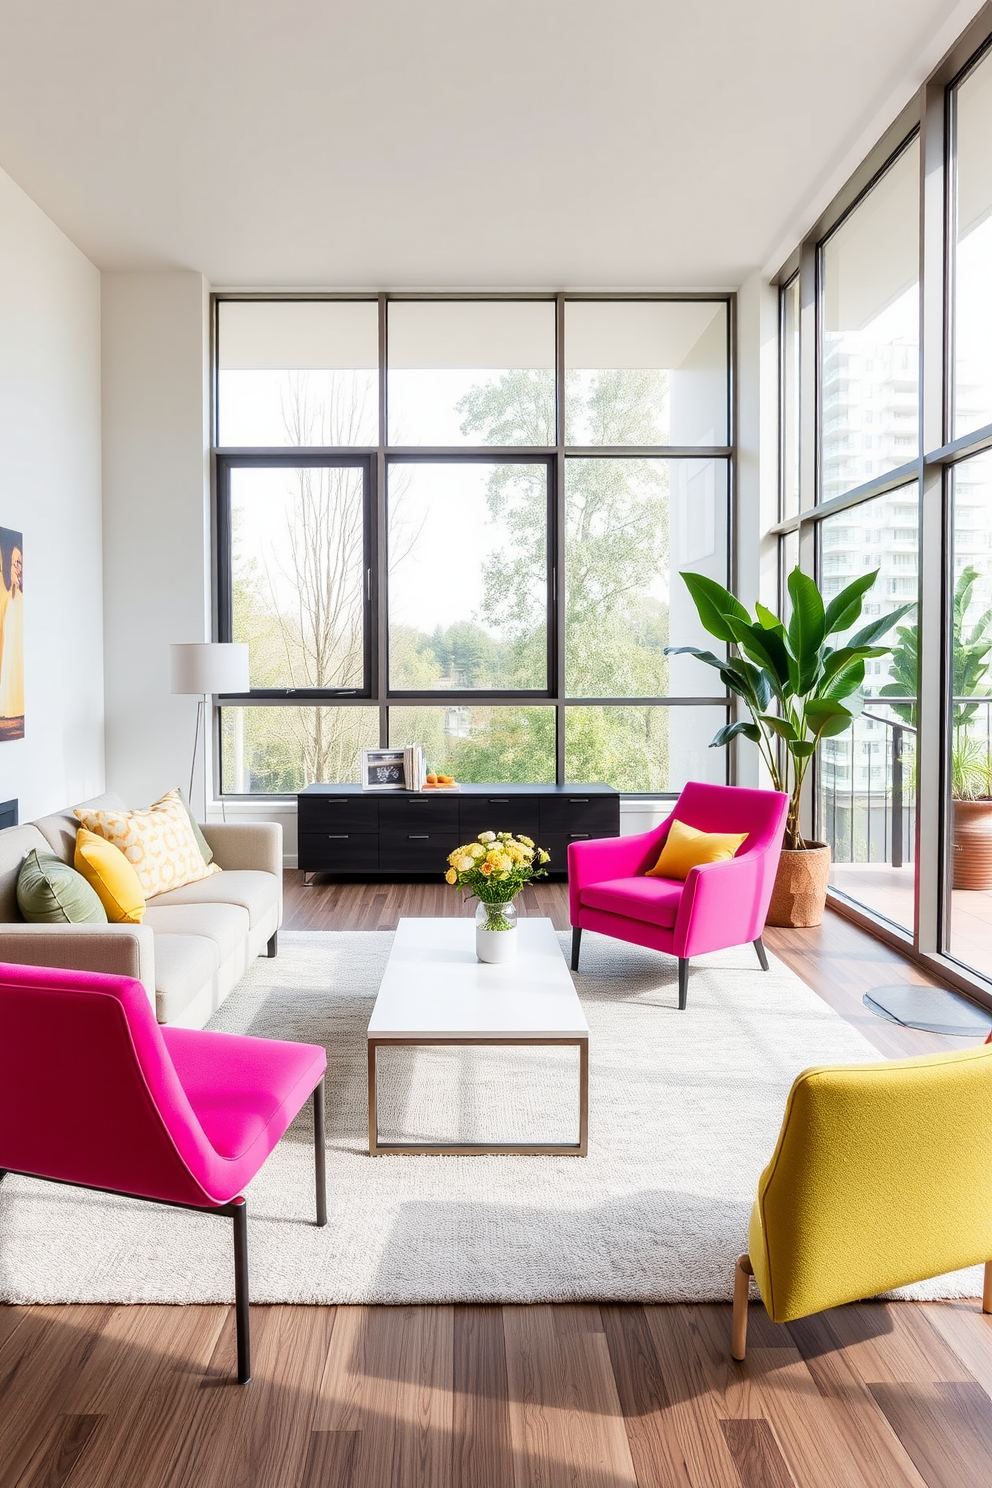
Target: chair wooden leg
576, 937
987, 1288
683, 982
738, 1332
762, 955
240, 1216
318, 1152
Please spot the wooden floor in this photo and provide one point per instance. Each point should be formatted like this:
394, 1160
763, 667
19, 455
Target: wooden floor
871, 1396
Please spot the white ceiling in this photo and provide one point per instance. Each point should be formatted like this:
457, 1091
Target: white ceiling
445, 143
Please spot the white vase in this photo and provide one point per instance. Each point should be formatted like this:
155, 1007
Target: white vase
496, 932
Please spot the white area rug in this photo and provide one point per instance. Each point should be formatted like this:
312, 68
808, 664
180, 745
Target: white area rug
684, 1112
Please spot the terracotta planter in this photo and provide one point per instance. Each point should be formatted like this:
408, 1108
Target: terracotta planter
800, 891
971, 853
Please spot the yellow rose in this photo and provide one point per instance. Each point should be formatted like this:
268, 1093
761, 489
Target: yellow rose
486, 868
542, 856
451, 876
465, 865
525, 840
477, 850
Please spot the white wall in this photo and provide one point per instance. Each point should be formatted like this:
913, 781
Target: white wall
50, 491
157, 519
757, 464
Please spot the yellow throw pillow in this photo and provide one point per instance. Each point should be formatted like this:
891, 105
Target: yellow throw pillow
108, 871
158, 842
687, 848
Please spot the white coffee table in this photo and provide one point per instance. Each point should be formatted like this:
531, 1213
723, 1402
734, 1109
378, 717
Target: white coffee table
435, 991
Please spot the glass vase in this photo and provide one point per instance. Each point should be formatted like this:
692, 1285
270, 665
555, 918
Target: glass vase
496, 931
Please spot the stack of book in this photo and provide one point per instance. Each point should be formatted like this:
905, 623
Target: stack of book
414, 766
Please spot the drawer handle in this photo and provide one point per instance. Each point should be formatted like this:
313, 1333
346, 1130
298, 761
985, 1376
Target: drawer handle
578, 801
338, 836
336, 801
578, 834
499, 800
418, 836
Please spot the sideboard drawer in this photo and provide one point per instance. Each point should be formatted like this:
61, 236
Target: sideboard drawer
337, 814
499, 813
596, 816
426, 813
416, 851
338, 852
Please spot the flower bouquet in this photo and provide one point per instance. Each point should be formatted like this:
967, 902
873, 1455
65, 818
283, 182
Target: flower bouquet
495, 868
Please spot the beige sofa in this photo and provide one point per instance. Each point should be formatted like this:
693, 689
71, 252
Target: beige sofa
195, 942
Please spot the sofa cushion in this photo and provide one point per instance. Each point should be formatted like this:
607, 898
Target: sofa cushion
49, 892
252, 890
111, 875
225, 924
60, 828
15, 844
653, 900
158, 842
184, 965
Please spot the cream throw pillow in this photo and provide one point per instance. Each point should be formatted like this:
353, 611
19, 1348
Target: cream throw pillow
158, 843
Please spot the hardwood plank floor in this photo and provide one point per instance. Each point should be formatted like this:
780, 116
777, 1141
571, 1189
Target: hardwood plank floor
872, 1396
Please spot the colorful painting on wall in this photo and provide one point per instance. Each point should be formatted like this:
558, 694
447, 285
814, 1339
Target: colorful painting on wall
11, 634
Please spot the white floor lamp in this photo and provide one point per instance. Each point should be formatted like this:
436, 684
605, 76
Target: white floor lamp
206, 669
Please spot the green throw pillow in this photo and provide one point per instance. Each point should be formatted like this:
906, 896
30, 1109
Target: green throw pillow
50, 892
206, 851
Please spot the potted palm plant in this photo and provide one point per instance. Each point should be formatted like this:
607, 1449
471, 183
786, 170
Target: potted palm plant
971, 762
798, 690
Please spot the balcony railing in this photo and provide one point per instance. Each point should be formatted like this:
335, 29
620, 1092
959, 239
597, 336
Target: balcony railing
867, 795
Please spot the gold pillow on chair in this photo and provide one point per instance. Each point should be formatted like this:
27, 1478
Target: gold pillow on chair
158, 843
686, 848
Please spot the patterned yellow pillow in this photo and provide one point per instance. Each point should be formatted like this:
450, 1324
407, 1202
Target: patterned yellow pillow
158, 843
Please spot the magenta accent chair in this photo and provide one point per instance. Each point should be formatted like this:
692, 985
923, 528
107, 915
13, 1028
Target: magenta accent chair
718, 905
93, 1092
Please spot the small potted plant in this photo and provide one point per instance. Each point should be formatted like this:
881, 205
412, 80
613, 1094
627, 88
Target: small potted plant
495, 867
798, 690
971, 763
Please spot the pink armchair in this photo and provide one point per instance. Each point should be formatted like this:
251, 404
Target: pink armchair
94, 1093
718, 905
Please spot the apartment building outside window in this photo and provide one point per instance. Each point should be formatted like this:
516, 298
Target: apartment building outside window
889, 395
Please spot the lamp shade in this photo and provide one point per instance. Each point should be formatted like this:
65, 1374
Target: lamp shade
209, 667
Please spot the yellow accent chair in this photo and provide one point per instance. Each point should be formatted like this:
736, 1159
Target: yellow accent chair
881, 1176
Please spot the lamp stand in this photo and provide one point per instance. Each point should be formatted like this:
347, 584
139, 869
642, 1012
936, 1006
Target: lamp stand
201, 726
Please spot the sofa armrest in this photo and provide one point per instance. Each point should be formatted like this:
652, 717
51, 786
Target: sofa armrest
117, 950
610, 857
255, 845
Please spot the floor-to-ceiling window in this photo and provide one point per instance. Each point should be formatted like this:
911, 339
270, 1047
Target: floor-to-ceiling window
886, 408
460, 521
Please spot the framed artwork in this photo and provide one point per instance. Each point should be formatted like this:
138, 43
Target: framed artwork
11, 634
382, 770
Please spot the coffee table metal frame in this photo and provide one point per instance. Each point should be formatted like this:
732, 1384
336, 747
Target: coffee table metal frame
580, 1148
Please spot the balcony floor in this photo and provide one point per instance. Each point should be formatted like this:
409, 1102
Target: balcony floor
888, 891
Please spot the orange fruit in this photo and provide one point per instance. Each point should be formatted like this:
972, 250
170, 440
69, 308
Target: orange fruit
432, 779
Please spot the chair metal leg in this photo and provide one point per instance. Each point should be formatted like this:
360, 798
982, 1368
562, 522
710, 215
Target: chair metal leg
240, 1217
576, 937
272, 949
738, 1332
683, 982
318, 1152
762, 954
987, 1288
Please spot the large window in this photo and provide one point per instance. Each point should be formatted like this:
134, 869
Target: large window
886, 465
461, 522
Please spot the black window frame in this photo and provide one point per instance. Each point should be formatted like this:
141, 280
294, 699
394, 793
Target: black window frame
377, 460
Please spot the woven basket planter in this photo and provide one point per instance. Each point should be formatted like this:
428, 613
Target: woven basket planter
800, 891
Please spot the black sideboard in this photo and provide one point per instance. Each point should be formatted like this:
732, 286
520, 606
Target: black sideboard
352, 833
